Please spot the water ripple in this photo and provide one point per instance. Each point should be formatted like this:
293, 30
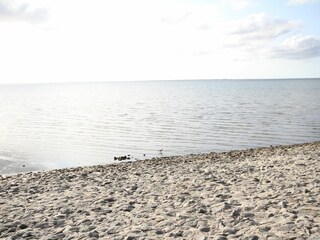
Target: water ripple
62, 125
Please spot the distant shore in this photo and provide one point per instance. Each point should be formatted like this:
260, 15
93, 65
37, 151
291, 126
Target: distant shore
264, 193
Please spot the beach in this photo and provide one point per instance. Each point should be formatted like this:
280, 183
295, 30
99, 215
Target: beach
264, 193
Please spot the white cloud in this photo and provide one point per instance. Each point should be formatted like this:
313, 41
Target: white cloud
12, 11
256, 38
301, 2
127, 40
298, 47
261, 26
238, 4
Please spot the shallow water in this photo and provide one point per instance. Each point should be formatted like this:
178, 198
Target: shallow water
45, 126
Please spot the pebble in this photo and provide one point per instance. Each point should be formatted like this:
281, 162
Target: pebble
59, 223
131, 238
204, 229
221, 237
27, 234
94, 234
23, 226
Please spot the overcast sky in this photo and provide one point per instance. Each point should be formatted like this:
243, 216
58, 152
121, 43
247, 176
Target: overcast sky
111, 40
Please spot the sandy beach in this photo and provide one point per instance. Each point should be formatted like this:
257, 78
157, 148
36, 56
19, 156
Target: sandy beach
266, 193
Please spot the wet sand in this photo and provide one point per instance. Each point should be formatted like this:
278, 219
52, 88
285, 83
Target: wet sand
266, 193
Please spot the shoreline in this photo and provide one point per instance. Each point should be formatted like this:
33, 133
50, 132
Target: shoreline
191, 156
261, 193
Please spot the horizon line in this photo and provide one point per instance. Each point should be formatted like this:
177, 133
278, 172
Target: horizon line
167, 80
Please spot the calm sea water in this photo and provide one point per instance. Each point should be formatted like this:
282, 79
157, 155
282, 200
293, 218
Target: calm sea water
47, 126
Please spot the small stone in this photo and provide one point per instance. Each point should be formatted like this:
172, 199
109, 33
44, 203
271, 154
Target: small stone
97, 209
159, 231
204, 229
94, 234
132, 202
171, 214
202, 210
131, 238
128, 208
226, 206
15, 189
59, 216
256, 180
236, 213
109, 200
221, 237
27, 234
66, 211
59, 223
74, 229
177, 233
23, 226
247, 215
264, 228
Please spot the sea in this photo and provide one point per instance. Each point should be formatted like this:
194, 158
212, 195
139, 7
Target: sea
53, 126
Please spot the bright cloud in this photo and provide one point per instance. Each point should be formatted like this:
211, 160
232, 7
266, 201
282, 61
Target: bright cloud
261, 26
15, 11
254, 36
299, 47
145, 39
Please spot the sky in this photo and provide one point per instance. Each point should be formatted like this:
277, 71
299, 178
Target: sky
125, 40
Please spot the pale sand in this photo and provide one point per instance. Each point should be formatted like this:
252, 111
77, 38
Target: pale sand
266, 193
